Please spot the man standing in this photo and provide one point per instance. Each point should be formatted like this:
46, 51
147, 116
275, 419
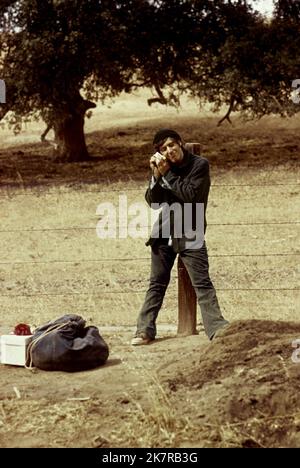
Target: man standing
179, 184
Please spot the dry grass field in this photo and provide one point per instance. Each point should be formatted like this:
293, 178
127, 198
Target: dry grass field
239, 391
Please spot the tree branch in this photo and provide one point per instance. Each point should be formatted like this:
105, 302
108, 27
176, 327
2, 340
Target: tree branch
230, 109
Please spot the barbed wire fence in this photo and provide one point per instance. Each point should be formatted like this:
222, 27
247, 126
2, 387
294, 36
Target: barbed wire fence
29, 191
111, 260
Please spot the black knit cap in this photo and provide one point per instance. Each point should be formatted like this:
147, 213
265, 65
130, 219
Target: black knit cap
163, 134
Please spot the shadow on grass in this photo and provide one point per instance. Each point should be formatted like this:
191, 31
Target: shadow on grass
122, 156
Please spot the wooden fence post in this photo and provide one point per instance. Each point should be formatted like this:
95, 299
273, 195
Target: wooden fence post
187, 301
194, 148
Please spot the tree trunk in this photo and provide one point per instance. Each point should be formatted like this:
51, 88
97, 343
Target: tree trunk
69, 133
3, 111
70, 139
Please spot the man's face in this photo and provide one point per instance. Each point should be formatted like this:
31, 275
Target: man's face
172, 150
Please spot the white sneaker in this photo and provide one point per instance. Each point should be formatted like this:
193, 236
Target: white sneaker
141, 339
220, 332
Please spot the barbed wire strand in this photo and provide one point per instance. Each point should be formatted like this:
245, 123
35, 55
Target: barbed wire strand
94, 293
141, 226
29, 191
133, 259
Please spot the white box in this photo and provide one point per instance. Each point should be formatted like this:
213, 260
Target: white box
13, 349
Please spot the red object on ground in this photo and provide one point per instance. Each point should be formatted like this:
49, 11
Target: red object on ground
22, 329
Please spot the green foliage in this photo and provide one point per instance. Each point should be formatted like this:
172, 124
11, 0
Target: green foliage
59, 47
218, 51
244, 60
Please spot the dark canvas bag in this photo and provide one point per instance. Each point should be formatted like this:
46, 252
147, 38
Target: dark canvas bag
66, 344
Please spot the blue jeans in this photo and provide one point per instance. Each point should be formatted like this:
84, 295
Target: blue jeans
196, 263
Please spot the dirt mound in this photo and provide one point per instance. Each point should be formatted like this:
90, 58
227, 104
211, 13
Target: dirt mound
244, 386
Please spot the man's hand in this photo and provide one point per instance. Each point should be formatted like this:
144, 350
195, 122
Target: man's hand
159, 166
163, 166
154, 168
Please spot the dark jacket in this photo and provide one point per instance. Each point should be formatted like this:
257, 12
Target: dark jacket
187, 183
